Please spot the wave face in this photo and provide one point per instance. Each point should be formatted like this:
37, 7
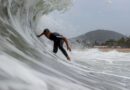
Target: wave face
27, 64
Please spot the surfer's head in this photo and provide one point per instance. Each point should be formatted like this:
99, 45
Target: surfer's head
46, 31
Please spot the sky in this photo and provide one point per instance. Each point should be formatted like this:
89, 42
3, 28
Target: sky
88, 15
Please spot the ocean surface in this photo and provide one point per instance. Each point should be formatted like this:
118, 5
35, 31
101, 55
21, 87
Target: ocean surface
27, 63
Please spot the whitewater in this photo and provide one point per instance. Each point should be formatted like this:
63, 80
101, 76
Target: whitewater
27, 63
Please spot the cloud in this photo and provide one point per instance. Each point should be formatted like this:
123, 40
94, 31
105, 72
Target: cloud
109, 1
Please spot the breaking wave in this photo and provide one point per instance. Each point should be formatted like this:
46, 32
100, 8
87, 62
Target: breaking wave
27, 64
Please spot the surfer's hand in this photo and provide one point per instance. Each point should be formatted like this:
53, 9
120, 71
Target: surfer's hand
68, 48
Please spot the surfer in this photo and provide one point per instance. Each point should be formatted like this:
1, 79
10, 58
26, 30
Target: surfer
58, 41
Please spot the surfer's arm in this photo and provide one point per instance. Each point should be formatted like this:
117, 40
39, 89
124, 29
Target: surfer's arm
66, 42
40, 35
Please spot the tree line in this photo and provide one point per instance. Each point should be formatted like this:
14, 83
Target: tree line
123, 43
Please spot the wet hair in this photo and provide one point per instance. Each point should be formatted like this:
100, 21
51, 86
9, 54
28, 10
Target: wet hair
46, 30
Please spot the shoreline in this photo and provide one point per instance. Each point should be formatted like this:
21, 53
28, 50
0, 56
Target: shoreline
126, 50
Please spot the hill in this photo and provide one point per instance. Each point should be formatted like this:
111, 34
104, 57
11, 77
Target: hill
98, 36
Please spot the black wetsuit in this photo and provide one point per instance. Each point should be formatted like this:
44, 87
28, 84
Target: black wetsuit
58, 43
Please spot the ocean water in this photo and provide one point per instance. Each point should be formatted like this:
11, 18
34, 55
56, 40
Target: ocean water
27, 63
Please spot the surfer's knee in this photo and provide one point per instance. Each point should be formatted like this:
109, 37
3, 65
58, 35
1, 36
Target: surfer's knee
55, 50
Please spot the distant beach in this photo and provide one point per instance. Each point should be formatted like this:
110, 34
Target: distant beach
126, 50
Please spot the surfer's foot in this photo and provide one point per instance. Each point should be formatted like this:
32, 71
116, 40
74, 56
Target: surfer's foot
68, 58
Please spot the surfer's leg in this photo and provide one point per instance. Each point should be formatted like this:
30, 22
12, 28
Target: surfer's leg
55, 47
63, 50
